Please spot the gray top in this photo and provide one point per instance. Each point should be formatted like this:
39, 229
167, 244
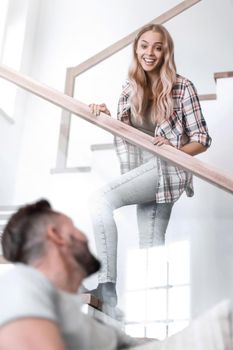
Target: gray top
25, 292
146, 125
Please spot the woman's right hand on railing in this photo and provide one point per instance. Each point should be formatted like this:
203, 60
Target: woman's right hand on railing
96, 109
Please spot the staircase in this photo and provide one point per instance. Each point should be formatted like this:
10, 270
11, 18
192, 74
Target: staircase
208, 203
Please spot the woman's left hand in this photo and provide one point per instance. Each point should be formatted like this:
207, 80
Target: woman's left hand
160, 140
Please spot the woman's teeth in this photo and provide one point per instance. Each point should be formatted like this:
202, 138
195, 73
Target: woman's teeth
149, 60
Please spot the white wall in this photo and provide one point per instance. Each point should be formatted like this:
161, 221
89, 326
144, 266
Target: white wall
65, 34
212, 241
11, 134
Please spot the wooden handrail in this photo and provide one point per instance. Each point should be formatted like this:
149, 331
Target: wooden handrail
121, 44
134, 136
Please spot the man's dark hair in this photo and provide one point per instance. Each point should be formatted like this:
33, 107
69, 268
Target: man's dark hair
22, 238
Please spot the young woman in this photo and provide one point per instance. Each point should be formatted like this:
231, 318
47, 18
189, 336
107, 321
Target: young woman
163, 104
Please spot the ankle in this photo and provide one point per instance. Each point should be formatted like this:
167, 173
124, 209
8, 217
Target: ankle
107, 286
107, 293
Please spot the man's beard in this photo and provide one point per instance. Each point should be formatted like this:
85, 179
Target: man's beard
83, 256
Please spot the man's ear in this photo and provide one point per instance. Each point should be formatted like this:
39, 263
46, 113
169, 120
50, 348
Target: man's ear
54, 235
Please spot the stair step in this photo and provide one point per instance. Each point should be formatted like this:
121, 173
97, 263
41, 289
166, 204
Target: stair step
103, 312
221, 75
78, 169
102, 146
5, 216
208, 97
10, 208
91, 300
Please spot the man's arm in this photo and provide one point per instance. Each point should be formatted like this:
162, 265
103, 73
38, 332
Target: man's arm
31, 334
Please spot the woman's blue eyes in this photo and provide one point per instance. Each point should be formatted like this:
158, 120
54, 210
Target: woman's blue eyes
144, 47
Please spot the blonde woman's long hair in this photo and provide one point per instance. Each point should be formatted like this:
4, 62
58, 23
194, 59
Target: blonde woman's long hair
162, 107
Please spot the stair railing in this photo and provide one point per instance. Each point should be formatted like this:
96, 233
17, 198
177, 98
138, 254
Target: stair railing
172, 155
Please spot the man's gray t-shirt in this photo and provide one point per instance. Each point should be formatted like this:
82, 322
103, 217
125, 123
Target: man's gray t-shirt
25, 292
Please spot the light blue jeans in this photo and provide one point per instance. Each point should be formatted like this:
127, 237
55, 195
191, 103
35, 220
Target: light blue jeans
138, 186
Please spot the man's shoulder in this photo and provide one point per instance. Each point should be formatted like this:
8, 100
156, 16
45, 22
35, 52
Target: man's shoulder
25, 293
20, 276
13, 277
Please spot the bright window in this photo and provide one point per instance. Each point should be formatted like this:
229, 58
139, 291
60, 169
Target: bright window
157, 301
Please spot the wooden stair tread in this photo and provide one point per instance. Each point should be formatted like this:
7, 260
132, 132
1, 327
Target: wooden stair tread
91, 300
208, 97
70, 170
105, 312
221, 75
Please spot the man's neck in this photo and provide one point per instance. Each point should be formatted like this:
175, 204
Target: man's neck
59, 274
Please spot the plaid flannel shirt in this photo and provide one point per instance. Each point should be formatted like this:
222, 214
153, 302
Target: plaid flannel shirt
185, 125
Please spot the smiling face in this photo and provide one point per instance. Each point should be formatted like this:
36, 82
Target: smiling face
149, 51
